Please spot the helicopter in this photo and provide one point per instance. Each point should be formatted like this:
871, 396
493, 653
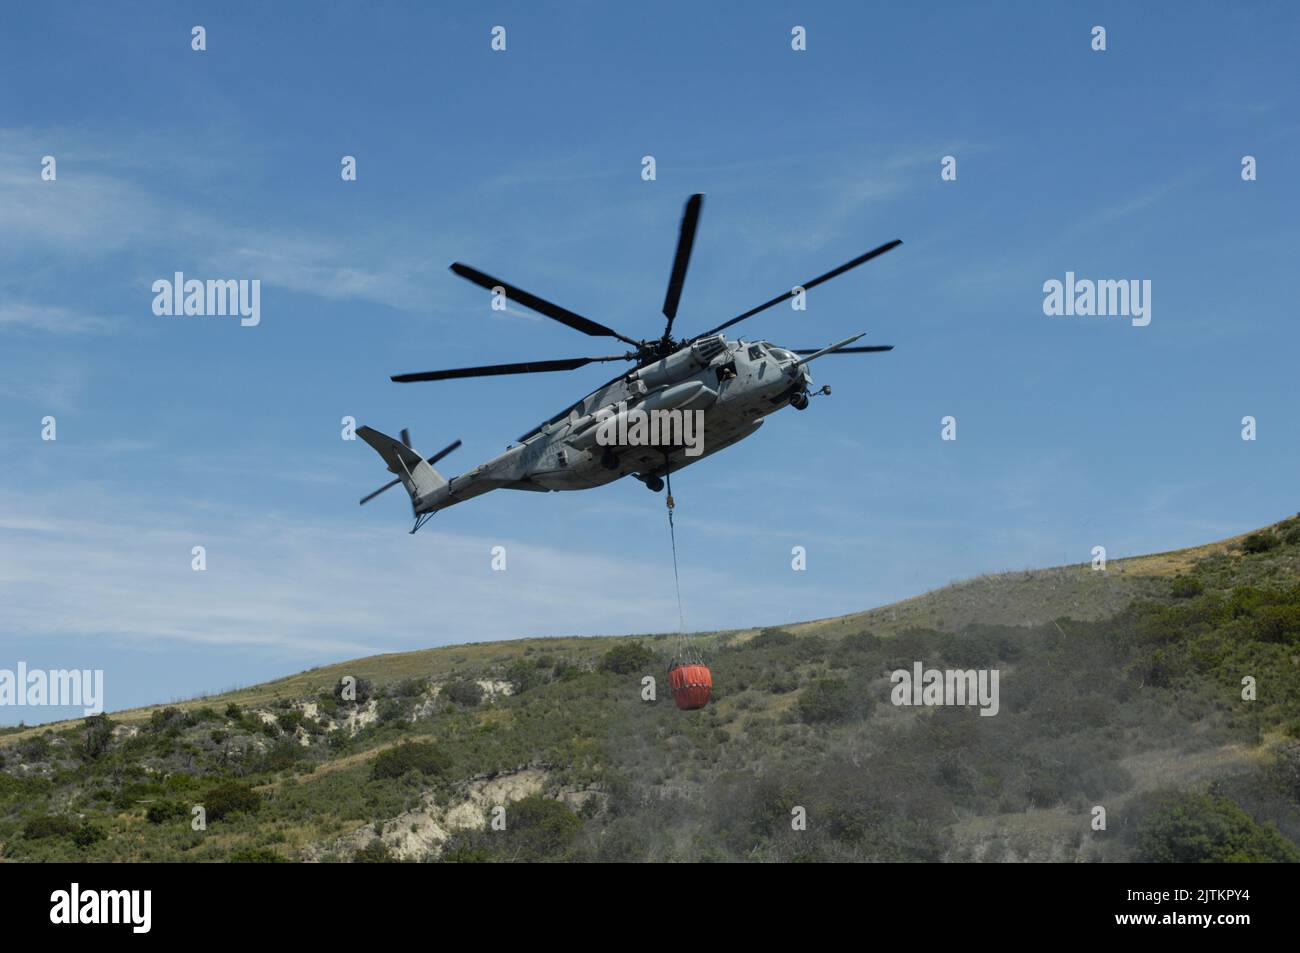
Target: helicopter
731, 385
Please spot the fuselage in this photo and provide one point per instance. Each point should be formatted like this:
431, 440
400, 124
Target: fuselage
728, 387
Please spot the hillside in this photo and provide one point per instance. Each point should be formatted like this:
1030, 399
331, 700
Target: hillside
1119, 690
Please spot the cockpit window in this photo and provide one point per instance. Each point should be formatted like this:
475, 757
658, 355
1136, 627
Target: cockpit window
755, 352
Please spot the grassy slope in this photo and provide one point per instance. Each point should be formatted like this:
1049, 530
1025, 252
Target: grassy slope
1028, 597
882, 783
1014, 598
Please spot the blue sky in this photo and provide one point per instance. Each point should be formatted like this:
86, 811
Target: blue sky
175, 432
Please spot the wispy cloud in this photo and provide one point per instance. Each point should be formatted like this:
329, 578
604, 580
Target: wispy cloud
114, 210
18, 315
277, 582
57, 387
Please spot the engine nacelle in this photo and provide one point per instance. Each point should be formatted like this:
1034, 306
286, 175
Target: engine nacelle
682, 363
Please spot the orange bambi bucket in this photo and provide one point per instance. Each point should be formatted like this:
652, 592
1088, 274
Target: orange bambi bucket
691, 686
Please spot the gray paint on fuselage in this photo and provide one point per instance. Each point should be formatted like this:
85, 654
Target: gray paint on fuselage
762, 385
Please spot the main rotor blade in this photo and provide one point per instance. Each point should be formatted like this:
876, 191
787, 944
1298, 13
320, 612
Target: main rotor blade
685, 241
831, 349
492, 370
847, 350
809, 285
540, 305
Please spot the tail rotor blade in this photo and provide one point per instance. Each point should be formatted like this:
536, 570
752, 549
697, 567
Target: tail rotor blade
406, 439
387, 486
441, 453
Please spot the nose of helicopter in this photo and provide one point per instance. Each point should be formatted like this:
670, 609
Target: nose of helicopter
801, 374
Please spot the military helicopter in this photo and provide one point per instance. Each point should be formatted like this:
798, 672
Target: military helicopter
732, 384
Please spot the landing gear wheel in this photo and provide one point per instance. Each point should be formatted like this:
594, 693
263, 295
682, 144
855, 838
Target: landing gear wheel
654, 484
799, 401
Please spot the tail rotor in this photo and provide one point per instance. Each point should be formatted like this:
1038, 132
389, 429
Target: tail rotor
403, 464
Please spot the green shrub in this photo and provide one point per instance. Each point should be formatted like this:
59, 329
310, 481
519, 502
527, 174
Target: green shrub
376, 852
810, 648
129, 796
88, 835
1186, 587
409, 756
253, 724
783, 684
1192, 828
463, 691
255, 855
524, 675
827, 700
163, 718
50, 825
1277, 623
281, 756
540, 829
1260, 542
229, 799
627, 658
199, 715
34, 749
860, 642
459, 851
97, 736
393, 711
160, 812
408, 688
771, 638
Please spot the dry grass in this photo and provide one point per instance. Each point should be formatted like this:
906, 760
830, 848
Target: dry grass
1180, 560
